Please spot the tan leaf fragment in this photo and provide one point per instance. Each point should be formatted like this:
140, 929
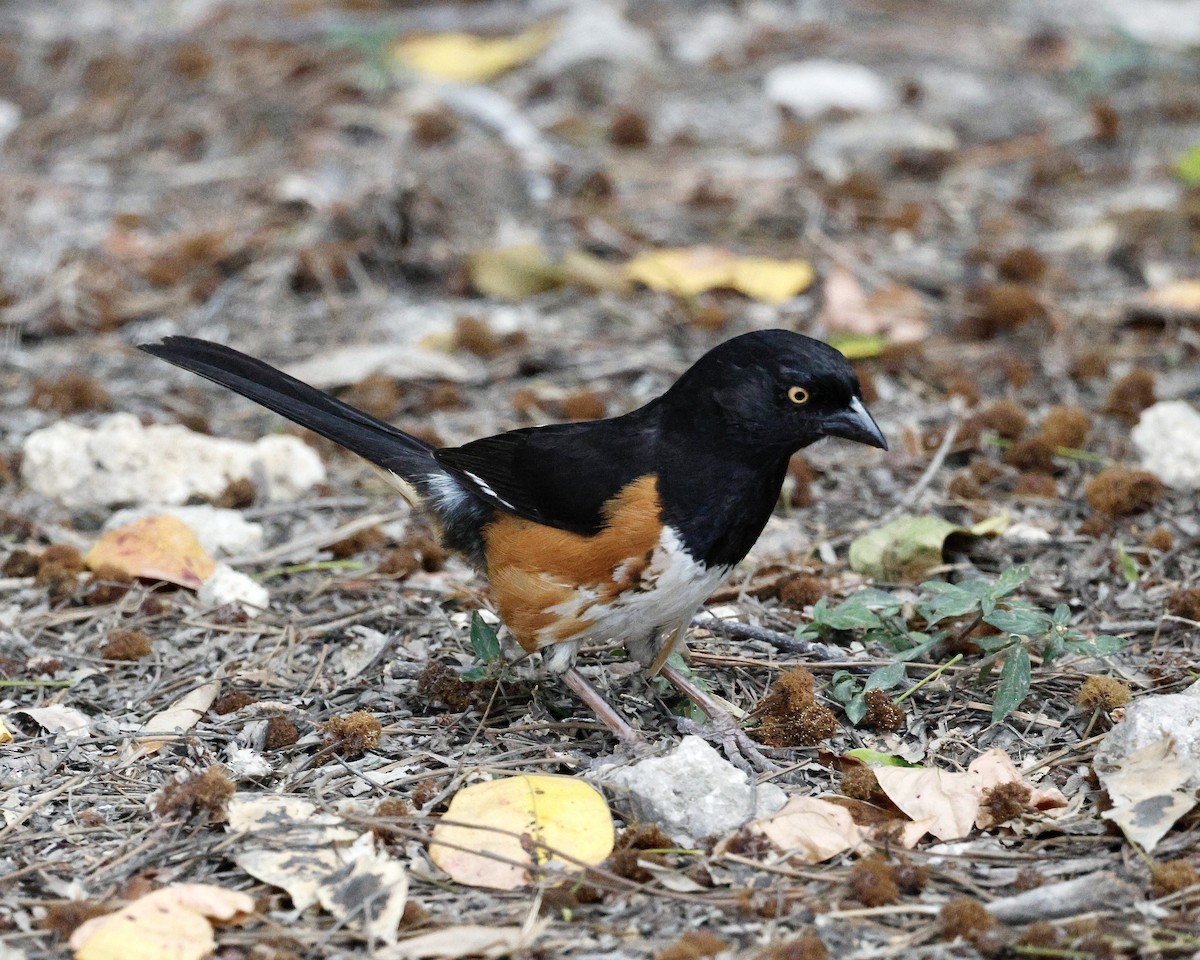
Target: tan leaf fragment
1182, 295
500, 833
167, 924
59, 719
810, 829
160, 547
371, 887
178, 718
950, 801
995, 767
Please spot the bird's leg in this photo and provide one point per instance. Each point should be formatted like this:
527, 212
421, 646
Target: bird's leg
604, 711
738, 746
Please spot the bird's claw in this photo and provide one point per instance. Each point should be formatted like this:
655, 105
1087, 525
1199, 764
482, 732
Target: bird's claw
736, 744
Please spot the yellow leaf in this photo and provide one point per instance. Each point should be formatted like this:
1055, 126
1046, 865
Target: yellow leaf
1182, 295
688, 271
500, 833
513, 273
5, 734
168, 924
684, 271
153, 548
771, 281
466, 58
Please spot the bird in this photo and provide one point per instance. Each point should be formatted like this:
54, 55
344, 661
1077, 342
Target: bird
600, 532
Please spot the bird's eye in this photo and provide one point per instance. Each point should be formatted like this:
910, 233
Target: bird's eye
798, 395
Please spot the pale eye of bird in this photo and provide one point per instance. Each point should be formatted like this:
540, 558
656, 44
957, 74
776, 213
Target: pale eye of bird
798, 395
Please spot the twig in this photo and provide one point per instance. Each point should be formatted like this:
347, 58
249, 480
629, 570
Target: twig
781, 641
926, 478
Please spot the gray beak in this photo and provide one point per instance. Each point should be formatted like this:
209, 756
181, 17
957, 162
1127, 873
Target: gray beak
855, 423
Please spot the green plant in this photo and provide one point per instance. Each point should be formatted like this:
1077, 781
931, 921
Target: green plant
1024, 628
486, 644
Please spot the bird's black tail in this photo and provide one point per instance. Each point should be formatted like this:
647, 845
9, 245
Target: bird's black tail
379, 442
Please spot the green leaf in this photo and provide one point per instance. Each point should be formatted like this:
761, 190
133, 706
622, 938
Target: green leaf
843, 686
912, 653
474, 674
948, 600
850, 614
1187, 167
1101, 646
874, 758
1062, 615
1127, 565
885, 678
993, 643
1015, 678
856, 709
1021, 620
484, 640
1009, 580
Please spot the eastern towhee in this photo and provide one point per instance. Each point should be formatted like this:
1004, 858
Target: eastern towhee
606, 531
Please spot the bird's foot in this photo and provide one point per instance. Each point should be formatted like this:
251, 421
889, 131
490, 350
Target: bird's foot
736, 744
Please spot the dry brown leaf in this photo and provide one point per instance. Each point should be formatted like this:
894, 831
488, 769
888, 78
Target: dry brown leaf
154, 548
468, 940
896, 313
1182, 295
168, 924
59, 719
810, 829
995, 767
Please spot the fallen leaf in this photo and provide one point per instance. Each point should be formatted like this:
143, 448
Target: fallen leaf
5, 734
178, 718
167, 924
468, 940
467, 58
1148, 792
688, 271
371, 886
948, 800
59, 719
995, 767
906, 549
860, 323
1187, 167
520, 821
875, 758
513, 273
154, 548
318, 858
810, 829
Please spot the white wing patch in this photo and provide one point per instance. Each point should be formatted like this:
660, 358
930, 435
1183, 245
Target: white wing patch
483, 485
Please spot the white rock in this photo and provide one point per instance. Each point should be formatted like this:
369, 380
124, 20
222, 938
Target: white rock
1148, 720
811, 88
222, 532
245, 764
226, 585
1168, 438
122, 462
694, 792
592, 31
841, 148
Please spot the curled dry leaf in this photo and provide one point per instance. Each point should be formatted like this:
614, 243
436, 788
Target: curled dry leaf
810, 829
995, 768
948, 801
154, 548
179, 717
498, 834
862, 325
168, 924
59, 719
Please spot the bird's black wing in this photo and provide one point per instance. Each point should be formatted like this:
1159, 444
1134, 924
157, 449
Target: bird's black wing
560, 475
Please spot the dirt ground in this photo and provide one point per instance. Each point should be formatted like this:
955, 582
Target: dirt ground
999, 214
